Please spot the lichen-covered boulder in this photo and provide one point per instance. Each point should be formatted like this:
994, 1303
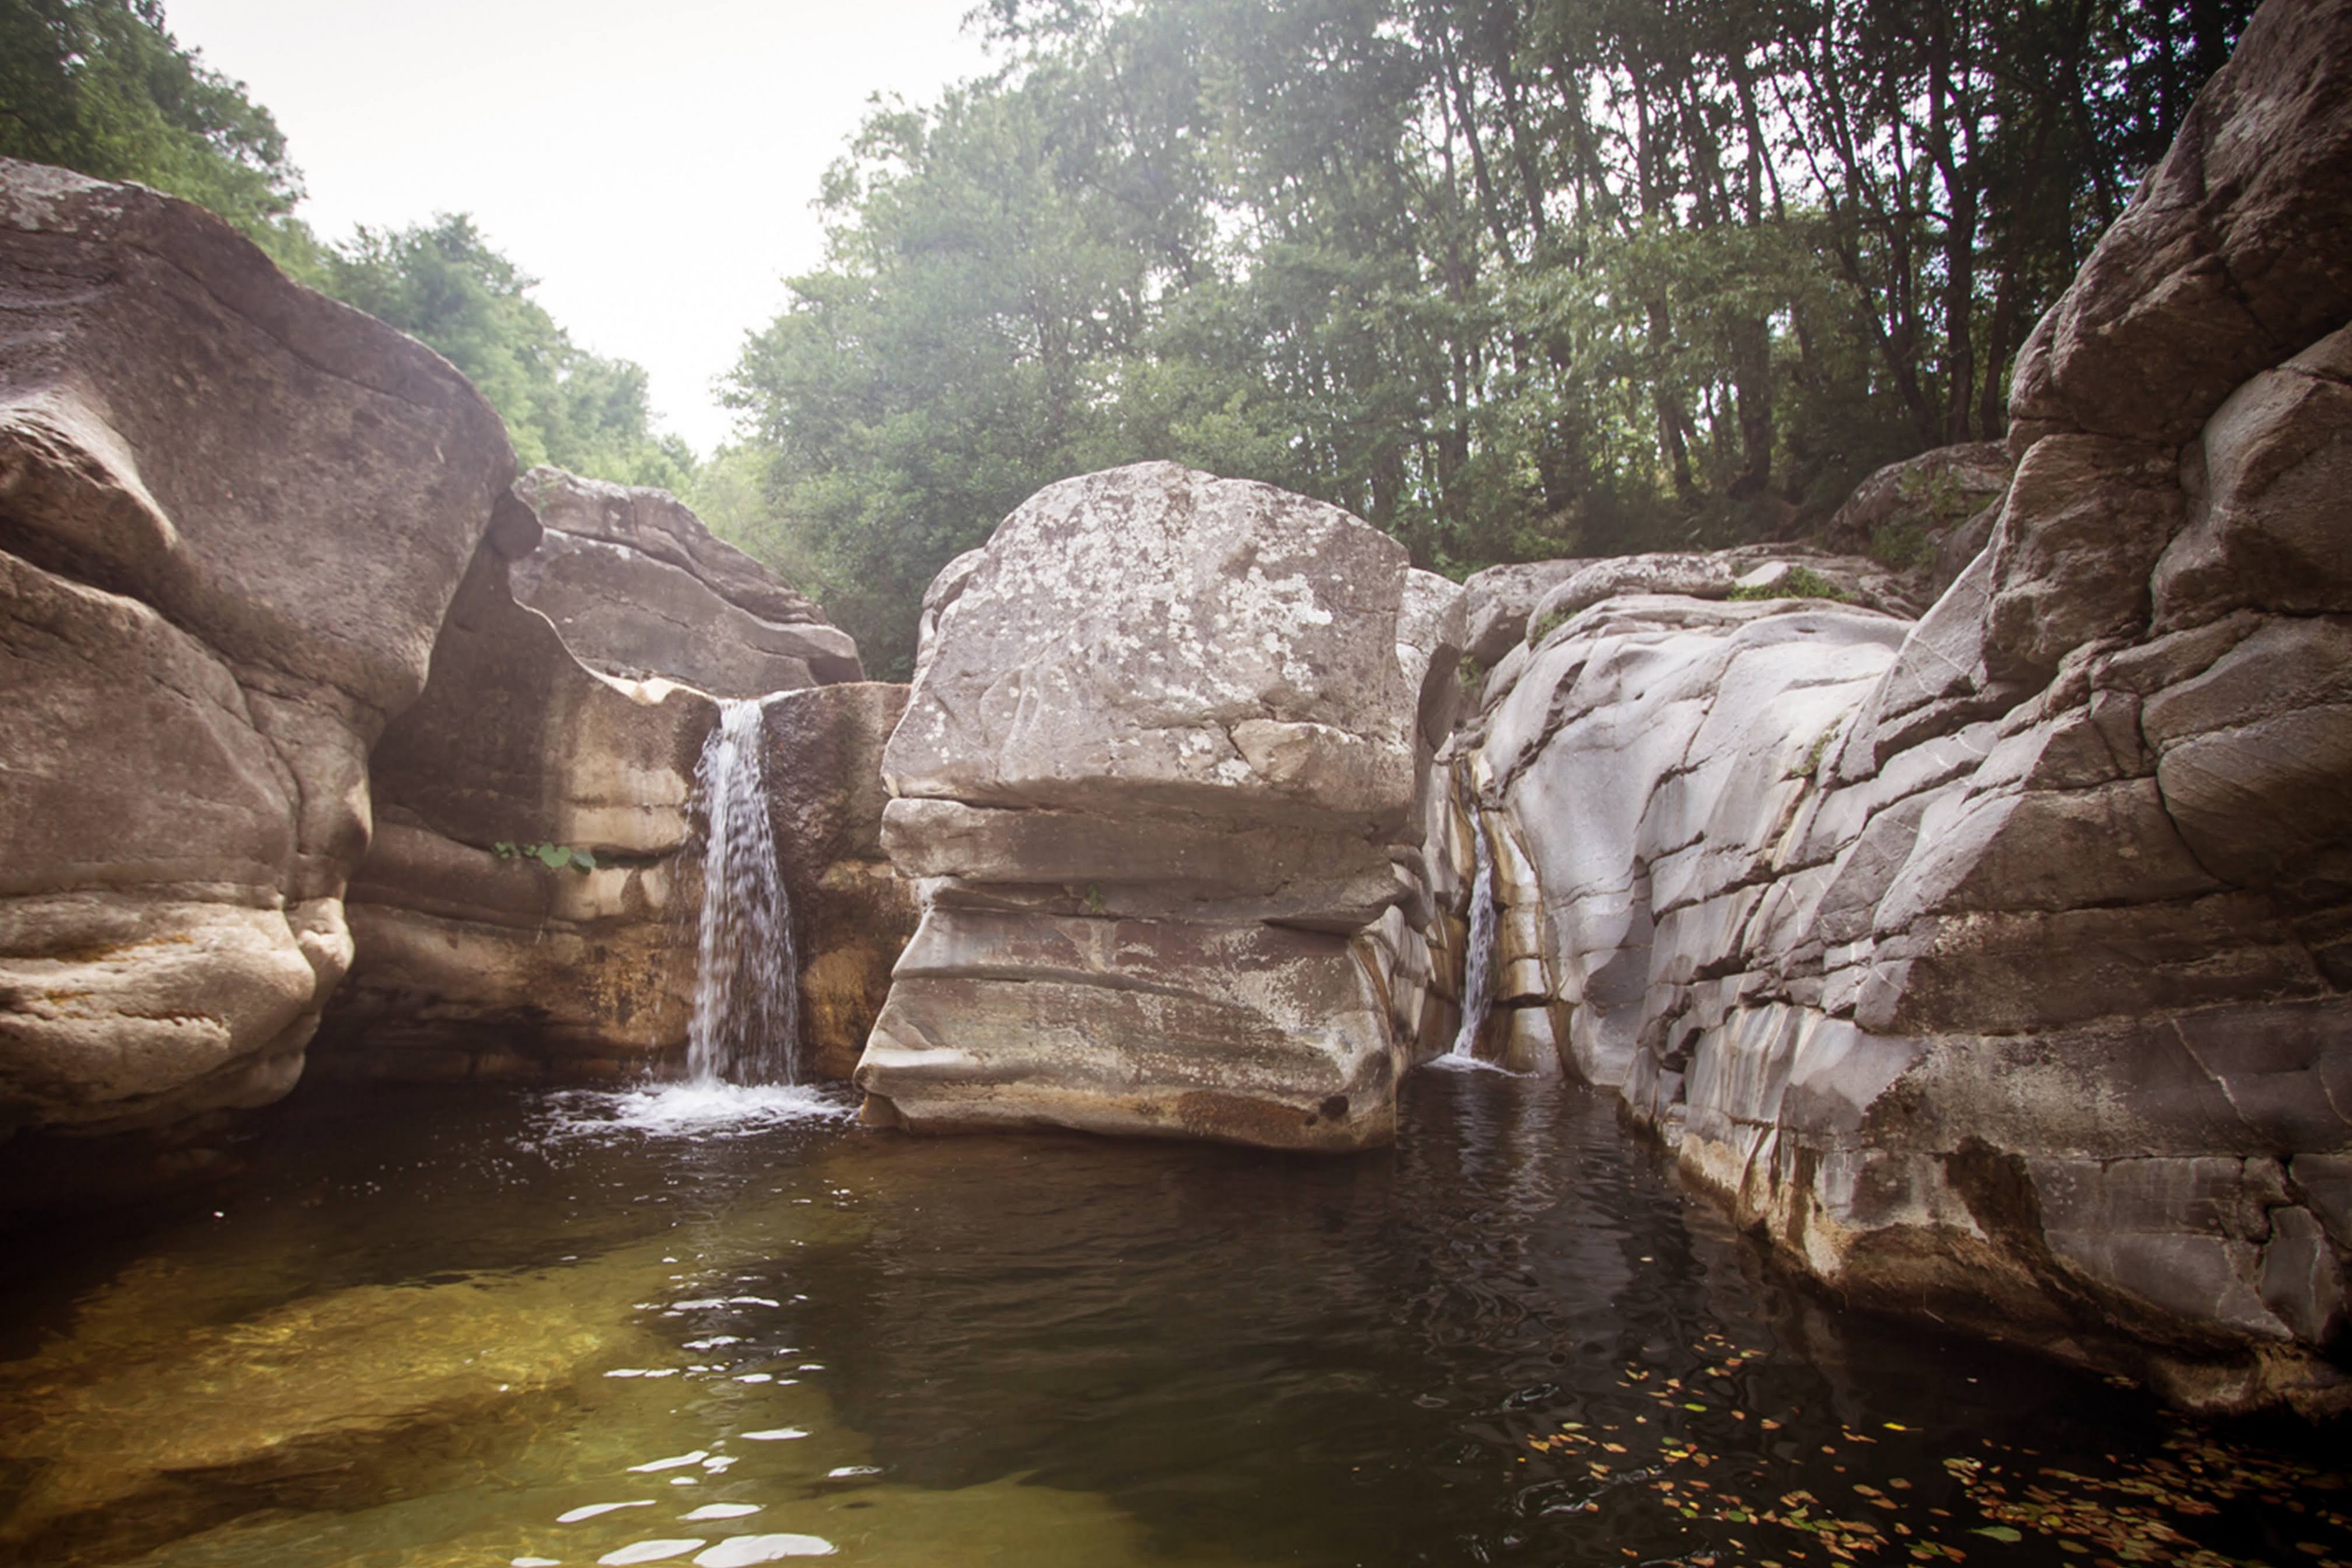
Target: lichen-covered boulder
232, 514
1156, 775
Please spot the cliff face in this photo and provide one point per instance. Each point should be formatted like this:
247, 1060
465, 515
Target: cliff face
1996, 965
285, 662
232, 515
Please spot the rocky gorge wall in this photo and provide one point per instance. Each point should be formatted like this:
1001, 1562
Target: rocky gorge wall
527, 909
298, 676
1994, 965
203, 632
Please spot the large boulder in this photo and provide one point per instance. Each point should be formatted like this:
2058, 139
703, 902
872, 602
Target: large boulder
232, 515
1156, 774
641, 588
1998, 966
1926, 515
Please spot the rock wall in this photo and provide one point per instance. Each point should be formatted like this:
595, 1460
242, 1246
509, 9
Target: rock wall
1156, 773
203, 630
575, 723
1994, 965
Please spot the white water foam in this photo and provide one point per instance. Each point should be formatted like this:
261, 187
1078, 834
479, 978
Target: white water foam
691, 1110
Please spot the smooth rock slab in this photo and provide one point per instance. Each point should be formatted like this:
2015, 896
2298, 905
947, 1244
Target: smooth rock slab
1248, 1033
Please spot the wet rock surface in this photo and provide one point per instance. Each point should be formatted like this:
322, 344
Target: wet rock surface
1156, 773
1991, 965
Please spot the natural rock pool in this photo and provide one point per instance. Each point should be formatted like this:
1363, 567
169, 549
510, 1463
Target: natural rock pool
443, 1328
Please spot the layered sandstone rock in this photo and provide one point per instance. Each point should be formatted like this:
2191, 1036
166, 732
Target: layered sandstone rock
474, 962
640, 589
529, 907
1157, 772
205, 628
854, 914
1995, 966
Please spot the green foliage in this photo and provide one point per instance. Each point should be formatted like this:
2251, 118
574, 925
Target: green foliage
1550, 621
1507, 278
101, 86
445, 285
1797, 582
554, 857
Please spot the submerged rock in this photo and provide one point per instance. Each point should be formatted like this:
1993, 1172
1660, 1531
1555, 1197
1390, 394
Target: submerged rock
1995, 966
207, 627
1156, 773
333, 1401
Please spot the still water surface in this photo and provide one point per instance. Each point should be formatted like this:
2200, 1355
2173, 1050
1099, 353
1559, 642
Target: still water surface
440, 1328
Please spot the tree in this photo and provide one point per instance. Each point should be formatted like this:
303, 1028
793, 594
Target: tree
1505, 277
444, 284
101, 86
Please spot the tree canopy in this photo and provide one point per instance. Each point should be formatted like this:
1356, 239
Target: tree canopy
443, 284
103, 88
1505, 277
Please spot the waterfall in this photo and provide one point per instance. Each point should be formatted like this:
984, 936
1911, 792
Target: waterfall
1477, 977
746, 1021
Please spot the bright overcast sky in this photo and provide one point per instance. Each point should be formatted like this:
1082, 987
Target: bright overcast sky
651, 165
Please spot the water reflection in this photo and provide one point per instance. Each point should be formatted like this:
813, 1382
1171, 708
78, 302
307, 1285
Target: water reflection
530, 1330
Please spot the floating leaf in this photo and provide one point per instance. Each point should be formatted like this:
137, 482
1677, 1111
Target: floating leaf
2000, 1532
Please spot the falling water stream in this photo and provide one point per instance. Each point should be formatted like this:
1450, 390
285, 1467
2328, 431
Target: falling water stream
746, 1018
1477, 970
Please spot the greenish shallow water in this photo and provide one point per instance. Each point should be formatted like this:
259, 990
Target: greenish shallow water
420, 1328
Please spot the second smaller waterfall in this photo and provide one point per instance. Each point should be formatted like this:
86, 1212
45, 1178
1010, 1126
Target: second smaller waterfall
1478, 964
746, 1018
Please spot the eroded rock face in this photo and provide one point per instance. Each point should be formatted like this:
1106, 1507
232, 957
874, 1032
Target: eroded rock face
1995, 966
1156, 773
473, 962
478, 958
852, 912
640, 589
204, 629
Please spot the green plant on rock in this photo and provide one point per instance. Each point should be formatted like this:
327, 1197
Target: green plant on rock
554, 857
1551, 621
1797, 582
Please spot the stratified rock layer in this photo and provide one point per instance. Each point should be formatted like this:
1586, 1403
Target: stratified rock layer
640, 589
232, 514
1157, 772
472, 962
1995, 966
478, 957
